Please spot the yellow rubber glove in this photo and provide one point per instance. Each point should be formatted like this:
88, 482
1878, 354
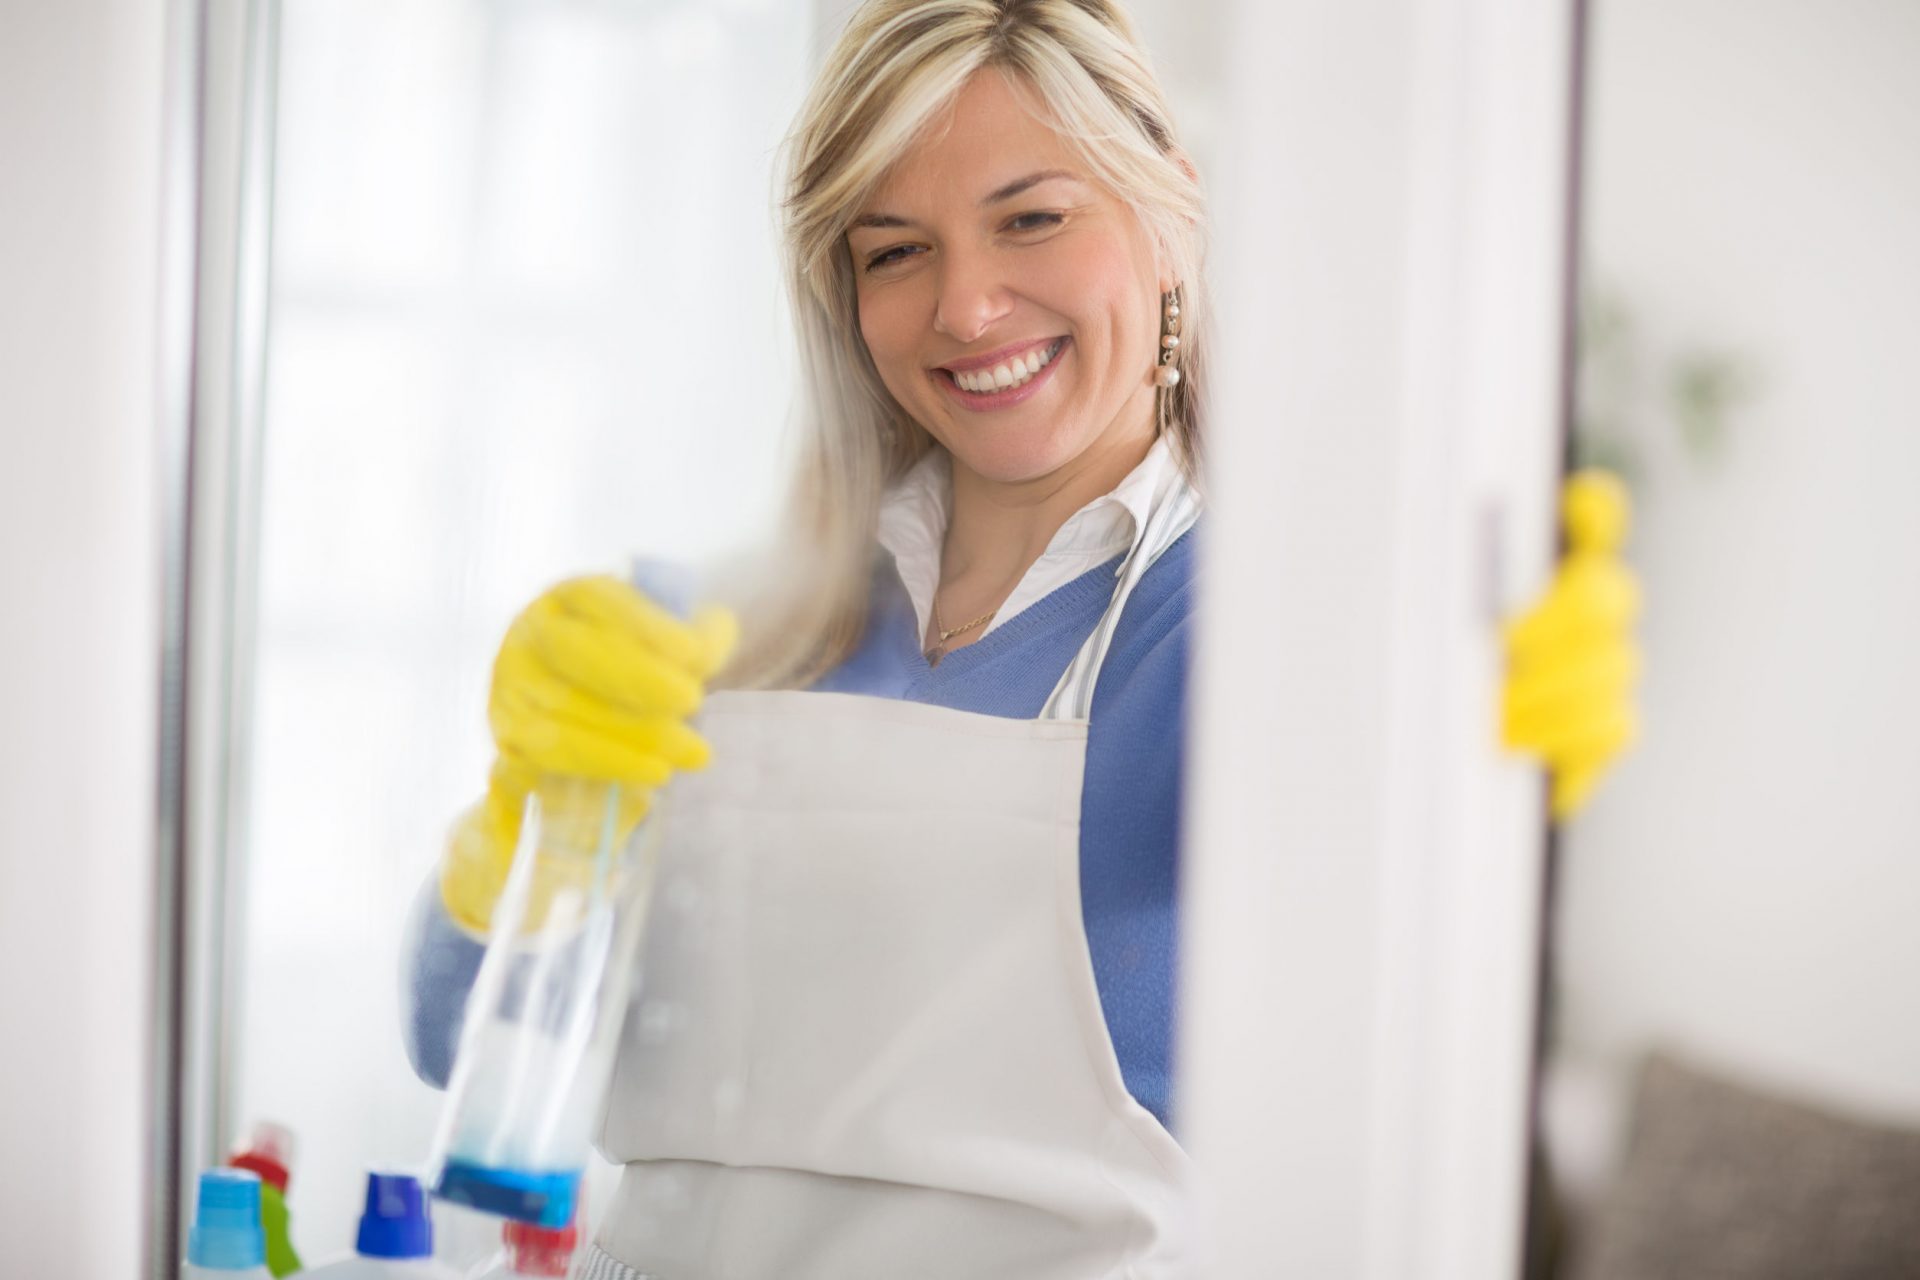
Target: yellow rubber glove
591, 691
1572, 664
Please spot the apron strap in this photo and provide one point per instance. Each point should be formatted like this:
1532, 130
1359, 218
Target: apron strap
1175, 509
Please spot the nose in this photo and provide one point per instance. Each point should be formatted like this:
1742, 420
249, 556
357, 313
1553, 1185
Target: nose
972, 297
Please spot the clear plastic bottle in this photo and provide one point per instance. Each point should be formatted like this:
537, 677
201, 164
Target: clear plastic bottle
226, 1242
543, 1020
396, 1236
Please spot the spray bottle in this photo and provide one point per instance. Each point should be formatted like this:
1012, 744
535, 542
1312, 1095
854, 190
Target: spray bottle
543, 1019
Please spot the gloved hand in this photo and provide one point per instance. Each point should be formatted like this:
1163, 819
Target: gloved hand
591, 692
1572, 663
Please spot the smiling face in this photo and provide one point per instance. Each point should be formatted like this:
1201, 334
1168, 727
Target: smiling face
1011, 305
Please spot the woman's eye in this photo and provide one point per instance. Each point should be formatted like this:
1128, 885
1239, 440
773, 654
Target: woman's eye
887, 257
1035, 221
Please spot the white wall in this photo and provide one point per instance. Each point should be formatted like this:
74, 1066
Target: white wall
1749, 885
80, 98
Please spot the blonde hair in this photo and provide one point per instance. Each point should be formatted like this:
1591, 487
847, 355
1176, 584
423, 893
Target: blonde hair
895, 70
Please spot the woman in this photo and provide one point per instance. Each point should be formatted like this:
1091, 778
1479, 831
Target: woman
909, 988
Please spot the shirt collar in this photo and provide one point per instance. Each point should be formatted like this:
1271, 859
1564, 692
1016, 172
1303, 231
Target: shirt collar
915, 511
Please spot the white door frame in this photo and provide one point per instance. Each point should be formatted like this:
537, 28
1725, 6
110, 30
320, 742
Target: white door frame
1363, 874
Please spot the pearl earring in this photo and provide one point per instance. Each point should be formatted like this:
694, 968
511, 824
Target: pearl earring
1164, 374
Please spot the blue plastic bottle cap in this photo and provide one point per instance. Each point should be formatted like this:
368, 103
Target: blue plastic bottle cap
395, 1224
226, 1233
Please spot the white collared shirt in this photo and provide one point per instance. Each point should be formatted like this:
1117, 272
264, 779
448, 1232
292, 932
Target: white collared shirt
915, 512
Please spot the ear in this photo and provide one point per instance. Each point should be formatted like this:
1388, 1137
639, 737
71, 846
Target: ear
1163, 269
1180, 157
1163, 273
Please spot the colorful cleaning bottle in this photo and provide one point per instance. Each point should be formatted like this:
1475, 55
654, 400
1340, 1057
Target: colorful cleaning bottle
268, 1151
529, 1252
396, 1236
226, 1242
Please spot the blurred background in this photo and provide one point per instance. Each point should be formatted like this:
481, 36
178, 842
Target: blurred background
1745, 894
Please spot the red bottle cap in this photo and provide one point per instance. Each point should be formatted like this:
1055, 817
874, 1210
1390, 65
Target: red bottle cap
540, 1251
268, 1151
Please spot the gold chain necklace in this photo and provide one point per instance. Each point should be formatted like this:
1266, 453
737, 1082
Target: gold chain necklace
939, 649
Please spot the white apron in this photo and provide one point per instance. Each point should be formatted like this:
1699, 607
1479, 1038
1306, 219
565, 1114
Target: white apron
869, 1043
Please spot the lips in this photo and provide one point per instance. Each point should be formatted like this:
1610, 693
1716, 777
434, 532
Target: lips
970, 364
1014, 374
1008, 372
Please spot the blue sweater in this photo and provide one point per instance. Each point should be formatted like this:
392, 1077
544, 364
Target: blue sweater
1129, 807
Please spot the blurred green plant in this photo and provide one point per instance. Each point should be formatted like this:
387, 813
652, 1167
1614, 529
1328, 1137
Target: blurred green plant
1626, 393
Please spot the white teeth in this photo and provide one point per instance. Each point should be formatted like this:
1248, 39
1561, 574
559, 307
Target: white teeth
1013, 373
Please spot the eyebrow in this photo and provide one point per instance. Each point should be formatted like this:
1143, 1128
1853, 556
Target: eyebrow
1008, 192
